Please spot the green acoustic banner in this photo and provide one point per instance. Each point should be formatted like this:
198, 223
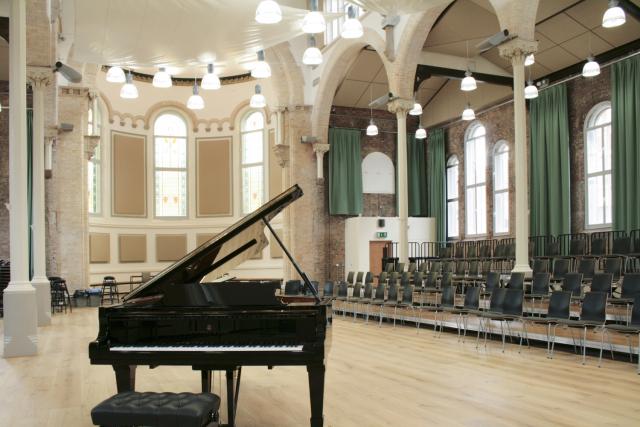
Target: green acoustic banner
345, 172
625, 128
30, 186
550, 206
416, 176
436, 181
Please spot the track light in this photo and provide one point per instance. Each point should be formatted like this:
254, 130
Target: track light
262, 70
312, 55
162, 79
531, 91
591, 68
351, 28
372, 129
313, 21
210, 81
129, 90
115, 74
195, 101
258, 100
468, 83
614, 16
468, 113
268, 12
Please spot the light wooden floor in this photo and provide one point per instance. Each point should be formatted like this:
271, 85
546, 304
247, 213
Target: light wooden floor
375, 377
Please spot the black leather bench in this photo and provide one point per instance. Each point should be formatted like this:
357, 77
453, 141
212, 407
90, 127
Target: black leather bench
158, 410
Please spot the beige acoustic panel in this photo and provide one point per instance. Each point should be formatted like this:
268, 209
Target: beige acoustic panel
132, 247
202, 238
99, 248
274, 248
214, 177
129, 174
275, 171
170, 247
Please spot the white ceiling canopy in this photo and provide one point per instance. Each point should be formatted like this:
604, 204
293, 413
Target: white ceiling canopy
398, 7
181, 35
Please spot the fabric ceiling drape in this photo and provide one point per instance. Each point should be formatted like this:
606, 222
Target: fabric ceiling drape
345, 172
436, 182
417, 176
550, 206
625, 127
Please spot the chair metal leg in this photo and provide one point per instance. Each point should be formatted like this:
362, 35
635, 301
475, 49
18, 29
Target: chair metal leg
601, 345
584, 346
502, 331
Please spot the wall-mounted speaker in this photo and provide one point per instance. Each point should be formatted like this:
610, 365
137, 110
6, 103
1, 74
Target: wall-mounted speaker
380, 222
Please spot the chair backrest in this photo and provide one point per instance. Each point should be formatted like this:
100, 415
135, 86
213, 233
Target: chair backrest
459, 250
560, 267
598, 246
540, 284
446, 279
343, 289
493, 281
447, 267
292, 287
511, 250
553, 248
379, 295
424, 267
594, 307
512, 303
559, 305
436, 266
412, 267
400, 267
407, 294
431, 280
461, 268
621, 245
448, 296
389, 267
602, 282
516, 281
486, 268
393, 277
587, 267
472, 298
392, 292
572, 282
368, 291
485, 250
327, 290
472, 252
359, 277
540, 265
383, 277
577, 247
473, 268
613, 266
418, 277
357, 290
496, 300
499, 251
631, 285
635, 312
350, 277
368, 277
404, 278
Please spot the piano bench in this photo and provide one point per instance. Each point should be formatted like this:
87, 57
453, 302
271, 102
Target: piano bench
158, 410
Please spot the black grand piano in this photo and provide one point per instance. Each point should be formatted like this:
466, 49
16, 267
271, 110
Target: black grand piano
184, 316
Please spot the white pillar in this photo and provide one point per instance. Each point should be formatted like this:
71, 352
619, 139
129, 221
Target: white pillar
401, 107
320, 149
39, 78
20, 315
516, 50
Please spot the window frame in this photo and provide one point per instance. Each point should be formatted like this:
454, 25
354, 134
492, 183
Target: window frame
504, 146
155, 168
476, 186
589, 125
334, 28
453, 162
262, 164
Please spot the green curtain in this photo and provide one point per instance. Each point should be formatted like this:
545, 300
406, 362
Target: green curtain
345, 172
30, 186
550, 197
625, 127
436, 181
417, 176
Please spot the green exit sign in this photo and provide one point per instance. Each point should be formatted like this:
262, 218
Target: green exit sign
381, 234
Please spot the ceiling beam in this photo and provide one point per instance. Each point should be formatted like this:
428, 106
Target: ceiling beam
423, 72
4, 28
631, 8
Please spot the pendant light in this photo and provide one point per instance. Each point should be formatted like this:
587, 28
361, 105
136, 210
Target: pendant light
313, 21
312, 55
257, 100
529, 60
195, 101
372, 129
614, 16
421, 133
468, 113
115, 74
351, 28
417, 108
210, 81
262, 70
468, 83
268, 12
591, 68
531, 91
161, 78
129, 90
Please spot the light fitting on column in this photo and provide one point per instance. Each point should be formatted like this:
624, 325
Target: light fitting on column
115, 74
468, 83
262, 70
531, 91
210, 81
372, 129
312, 55
351, 28
258, 100
614, 16
129, 90
468, 113
161, 78
421, 133
591, 68
195, 101
268, 12
313, 21
529, 60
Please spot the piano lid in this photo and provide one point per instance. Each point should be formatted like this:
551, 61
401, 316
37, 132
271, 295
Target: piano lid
239, 242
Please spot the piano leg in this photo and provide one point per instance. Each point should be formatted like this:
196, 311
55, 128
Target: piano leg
231, 410
206, 381
316, 393
125, 377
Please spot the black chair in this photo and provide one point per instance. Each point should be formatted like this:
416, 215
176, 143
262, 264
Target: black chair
512, 310
341, 297
355, 297
630, 288
572, 282
350, 277
540, 265
516, 281
559, 309
587, 267
384, 277
602, 282
391, 300
495, 308
400, 267
473, 274
109, 289
492, 282
406, 303
613, 266
377, 300
471, 305
359, 278
559, 269
292, 287
430, 288
389, 267
412, 267
447, 302
60, 298
631, 328
327, 290
539, 289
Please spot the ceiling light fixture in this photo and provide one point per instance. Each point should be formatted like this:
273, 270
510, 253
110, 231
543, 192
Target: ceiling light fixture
591, 68
161, 78
351, 28
614, 16
262, 70
210, 81
115, 74
313, 21
468, 113
468, 83
372, 129
258, 100
417, 108
268, 12
129, 90
531, 91
195, 101
312, 55
529, 60
421, 133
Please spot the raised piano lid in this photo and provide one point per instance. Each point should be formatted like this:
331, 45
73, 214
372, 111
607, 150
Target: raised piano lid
222, 253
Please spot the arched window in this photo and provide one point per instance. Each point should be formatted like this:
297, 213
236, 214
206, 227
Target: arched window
501, 188
598, 166
452, 196
170, 165
94, 169
475, 160
252, 161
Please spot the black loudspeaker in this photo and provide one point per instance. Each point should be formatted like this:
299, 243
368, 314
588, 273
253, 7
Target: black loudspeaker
381, 223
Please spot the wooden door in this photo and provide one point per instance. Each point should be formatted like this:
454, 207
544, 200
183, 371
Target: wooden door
376, 248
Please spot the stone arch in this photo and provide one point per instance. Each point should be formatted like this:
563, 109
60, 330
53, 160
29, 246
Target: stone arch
164, 105
290, 90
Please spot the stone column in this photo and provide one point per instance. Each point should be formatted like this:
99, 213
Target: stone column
40, 78
279, 125
401, 107
516, 50
20, 306
320, 149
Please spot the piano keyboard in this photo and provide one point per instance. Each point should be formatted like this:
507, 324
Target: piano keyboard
203, 348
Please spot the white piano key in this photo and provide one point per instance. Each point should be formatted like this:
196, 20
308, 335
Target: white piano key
226, 348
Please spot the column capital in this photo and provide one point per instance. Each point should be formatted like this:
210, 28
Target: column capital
400, 105
279, 109
517, 48
281, 151
39, 77
91, 142
320, 148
